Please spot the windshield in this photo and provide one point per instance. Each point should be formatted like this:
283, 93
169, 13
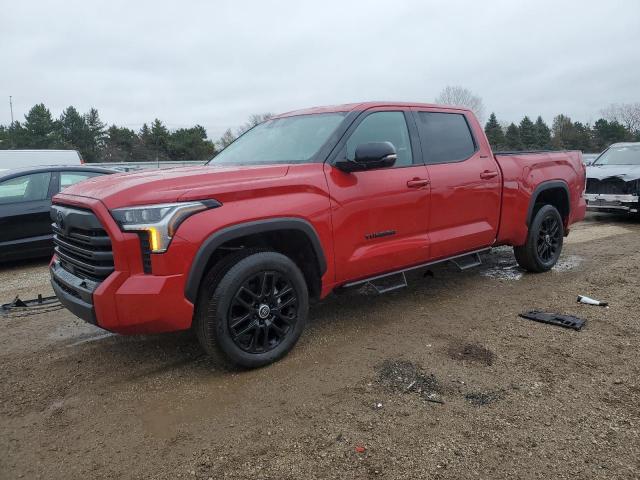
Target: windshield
281, 140
623, 155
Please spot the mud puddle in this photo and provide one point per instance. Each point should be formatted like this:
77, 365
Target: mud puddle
502, 265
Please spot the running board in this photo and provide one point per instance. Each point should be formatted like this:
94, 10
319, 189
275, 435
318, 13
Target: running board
389, 283
463, 261
468, 261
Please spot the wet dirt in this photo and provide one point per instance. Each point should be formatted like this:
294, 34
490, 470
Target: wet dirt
472, 352
551, 403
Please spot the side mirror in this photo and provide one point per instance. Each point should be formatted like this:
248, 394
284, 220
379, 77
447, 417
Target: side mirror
370, 156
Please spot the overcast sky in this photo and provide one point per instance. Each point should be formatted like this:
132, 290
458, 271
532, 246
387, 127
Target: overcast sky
215, 63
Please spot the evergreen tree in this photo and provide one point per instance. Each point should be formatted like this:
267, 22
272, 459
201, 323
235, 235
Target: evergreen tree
543, 134
96, 136
494, 132
159, 140
74, 131
142, 149
583, 139
512, 138
605, 133
40, 129
527, 132
119, 145
190, 144
13, 136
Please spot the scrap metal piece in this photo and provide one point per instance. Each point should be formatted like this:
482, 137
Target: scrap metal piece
29, 305
567, 321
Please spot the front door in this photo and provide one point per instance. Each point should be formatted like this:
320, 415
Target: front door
379, 216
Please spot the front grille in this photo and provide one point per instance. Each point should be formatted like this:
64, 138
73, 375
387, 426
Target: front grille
611, 186
81, 243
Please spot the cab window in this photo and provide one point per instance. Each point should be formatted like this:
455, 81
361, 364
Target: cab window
383, 127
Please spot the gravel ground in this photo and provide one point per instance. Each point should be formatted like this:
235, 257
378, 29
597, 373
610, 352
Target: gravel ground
441, 380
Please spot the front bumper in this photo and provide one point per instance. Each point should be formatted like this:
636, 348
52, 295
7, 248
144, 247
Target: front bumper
605, 202
128, 300
75, 293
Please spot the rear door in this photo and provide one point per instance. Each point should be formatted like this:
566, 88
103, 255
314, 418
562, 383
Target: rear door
379, 216
25, 226
466, 184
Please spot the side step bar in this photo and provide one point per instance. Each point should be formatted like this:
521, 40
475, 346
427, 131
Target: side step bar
468, 261
389, 283
463, 261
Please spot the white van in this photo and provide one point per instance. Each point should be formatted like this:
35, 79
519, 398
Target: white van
35, 158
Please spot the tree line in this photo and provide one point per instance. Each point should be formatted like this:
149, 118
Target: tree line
564, 134
98, 142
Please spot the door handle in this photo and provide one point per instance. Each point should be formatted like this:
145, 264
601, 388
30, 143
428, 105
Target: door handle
418, 183
488, 174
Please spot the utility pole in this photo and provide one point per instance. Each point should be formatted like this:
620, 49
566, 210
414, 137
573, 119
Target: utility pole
11, 107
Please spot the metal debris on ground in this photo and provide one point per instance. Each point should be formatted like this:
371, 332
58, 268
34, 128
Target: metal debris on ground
591, 301
567, 321
25, 308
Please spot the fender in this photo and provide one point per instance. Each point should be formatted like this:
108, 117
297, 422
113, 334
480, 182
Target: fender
216, 239
547, 185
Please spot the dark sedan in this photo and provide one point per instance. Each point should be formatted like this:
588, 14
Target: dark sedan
25, 200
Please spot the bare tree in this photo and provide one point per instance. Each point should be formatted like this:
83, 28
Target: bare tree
225, 140
255, 119
462, 97
628, 114
229, 135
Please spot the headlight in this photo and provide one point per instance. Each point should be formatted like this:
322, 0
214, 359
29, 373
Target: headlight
160, 221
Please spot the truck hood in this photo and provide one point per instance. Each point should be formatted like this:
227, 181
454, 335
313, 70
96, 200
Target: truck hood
626, 173
173, 184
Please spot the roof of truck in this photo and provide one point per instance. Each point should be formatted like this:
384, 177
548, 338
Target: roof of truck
348, 107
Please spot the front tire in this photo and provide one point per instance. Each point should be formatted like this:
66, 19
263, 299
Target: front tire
255, 311
544, 241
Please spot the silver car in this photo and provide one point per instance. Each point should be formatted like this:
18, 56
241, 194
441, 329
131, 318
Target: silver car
613, 180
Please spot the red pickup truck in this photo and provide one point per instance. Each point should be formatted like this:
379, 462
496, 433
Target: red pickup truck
303, 204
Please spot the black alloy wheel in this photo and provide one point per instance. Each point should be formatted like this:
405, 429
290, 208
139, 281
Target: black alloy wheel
263, 312
548, 238
544, 241
252, 308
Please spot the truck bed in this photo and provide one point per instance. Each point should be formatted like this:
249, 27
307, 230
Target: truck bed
526, 173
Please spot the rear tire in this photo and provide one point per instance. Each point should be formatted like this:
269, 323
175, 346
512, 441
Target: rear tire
254, 310
544, 241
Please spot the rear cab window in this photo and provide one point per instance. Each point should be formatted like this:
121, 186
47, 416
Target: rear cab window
444, 137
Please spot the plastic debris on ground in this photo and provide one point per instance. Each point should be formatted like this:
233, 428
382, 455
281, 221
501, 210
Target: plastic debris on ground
591, 301
558, 319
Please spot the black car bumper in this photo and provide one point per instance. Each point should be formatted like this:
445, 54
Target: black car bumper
75, 293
